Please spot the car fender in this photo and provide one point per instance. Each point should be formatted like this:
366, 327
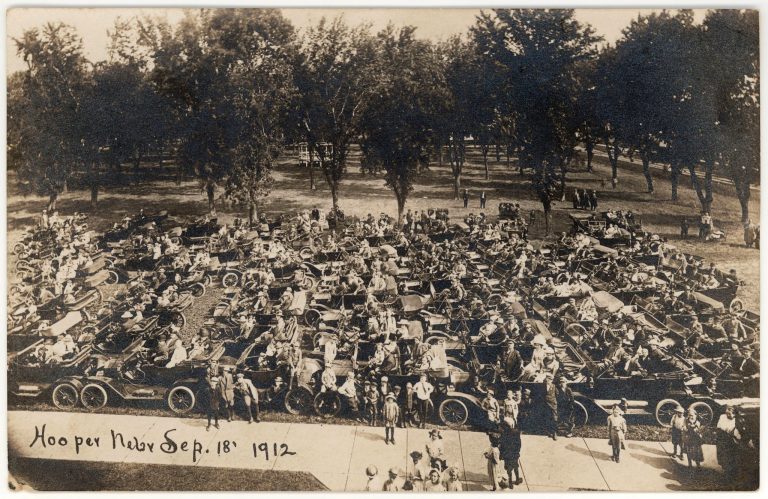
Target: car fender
470, 400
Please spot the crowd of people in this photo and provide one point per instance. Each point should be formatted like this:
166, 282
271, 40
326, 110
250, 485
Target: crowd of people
405, 303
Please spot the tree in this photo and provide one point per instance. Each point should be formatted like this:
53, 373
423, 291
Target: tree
731, 39
397, 121
222, 69
46, 113
538, 52
333, 76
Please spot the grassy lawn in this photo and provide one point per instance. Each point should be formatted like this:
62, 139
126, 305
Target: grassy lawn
56, 475
360, 195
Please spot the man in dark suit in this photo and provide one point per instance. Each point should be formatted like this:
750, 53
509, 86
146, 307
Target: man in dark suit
549, 407
466, 198
482, 200
512, 361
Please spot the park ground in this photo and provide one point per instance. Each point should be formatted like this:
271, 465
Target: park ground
362, 194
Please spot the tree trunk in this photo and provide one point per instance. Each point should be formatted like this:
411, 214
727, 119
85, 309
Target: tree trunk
744, 202
674, 176
252, 212
742, 192
52, 201
456, 185
335, 195
311, 170
94, 181
210, 190
708, 167
440, 154
647, 172
137, 166
590, 154
697, 187
400, 211
613, 157
498, 152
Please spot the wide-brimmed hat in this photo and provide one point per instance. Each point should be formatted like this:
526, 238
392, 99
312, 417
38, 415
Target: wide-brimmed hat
679, 410
390, 396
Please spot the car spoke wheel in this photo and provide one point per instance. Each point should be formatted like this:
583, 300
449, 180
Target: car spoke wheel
197, 290
453, 413
327, 404
665, 410
312, 317
112, 278
230, 280
178, 319
93, 396
306, 253
736, 306
704, 412
181, 400
64, 396
298, 401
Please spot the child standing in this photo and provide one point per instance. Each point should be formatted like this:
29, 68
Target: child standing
692, 438
617, 428
678, 428
371, 404
493, 457
390, 413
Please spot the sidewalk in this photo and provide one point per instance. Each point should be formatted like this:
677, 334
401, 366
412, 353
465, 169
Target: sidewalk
338, 455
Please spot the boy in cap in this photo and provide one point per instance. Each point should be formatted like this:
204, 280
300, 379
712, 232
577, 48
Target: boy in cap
617, 428
677, 425
391, 413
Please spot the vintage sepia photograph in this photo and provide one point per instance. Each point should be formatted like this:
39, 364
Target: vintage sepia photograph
382, 250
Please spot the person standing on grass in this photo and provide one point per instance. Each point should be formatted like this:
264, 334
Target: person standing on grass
684, 226
576, 199
676, 432
617, 429
390, 413
465, 197
593, 200
423, 390
692, 439
482, 200
493, 457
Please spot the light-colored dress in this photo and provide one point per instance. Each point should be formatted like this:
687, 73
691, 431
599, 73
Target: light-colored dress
494, 470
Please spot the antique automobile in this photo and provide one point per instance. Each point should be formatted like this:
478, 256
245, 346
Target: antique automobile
31, 373
136, 376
